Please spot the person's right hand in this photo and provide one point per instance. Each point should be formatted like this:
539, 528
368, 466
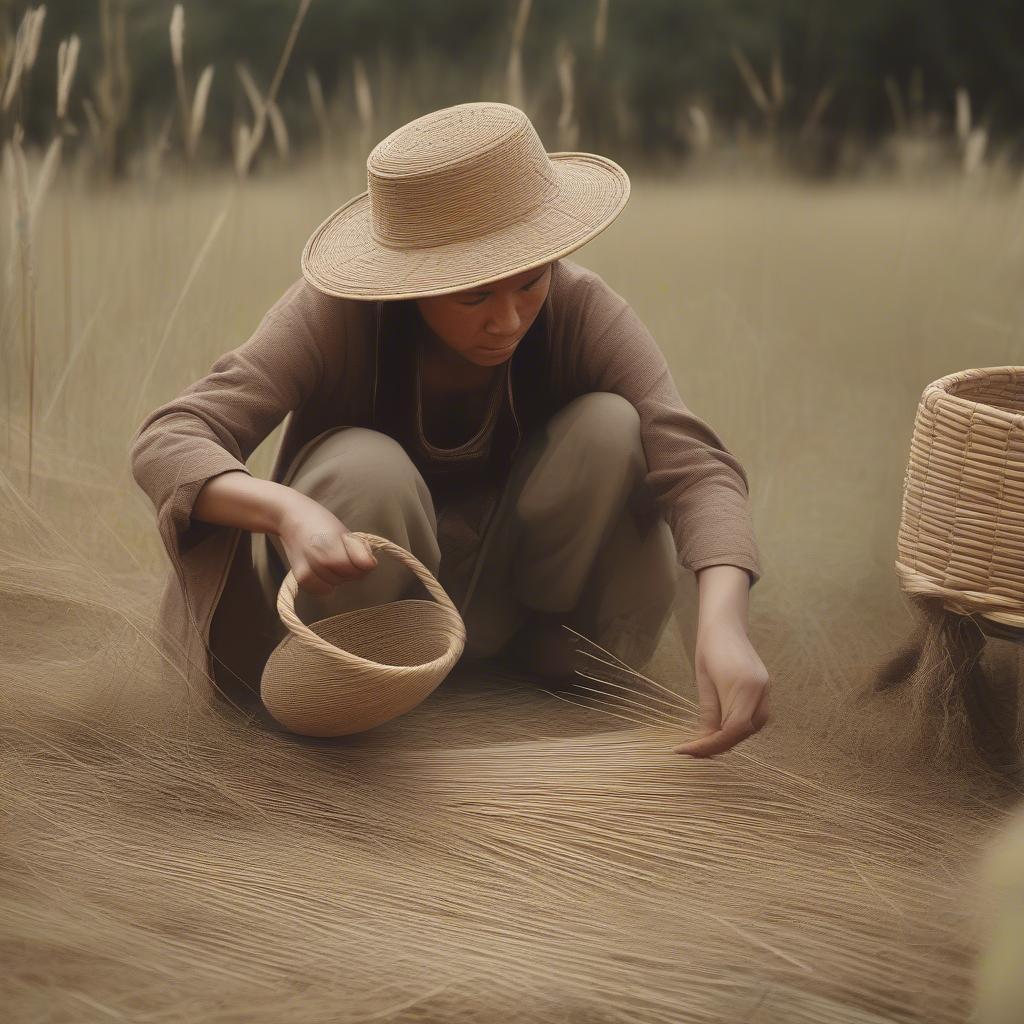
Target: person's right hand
321, 550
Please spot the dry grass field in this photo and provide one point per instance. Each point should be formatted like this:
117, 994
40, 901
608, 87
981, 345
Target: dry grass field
499, 854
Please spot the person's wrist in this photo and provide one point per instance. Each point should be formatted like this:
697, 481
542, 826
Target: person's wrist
723, 626
286, 503
723, 600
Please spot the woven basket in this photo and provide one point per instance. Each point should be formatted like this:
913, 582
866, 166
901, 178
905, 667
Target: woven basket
961, 535
352, 671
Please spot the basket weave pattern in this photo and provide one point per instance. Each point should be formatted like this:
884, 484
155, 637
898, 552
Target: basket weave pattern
961, 535
353, 671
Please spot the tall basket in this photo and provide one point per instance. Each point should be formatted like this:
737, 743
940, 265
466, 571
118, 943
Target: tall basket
350, 672
961, 535
961, 560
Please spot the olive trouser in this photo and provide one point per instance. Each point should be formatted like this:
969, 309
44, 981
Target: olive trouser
575, 531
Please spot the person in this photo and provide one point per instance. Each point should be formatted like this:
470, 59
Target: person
454, 383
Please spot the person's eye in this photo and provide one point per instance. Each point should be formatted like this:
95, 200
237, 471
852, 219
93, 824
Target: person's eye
473, 302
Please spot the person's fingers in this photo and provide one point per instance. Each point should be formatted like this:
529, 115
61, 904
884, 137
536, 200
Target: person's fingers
359, 552
309, 580
737, 726
716, 742
710, 708
352, 559
762, 713
331, 566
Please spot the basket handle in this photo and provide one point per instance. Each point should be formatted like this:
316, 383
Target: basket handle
290, 586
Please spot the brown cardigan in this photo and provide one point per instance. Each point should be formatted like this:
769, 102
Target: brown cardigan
323, 361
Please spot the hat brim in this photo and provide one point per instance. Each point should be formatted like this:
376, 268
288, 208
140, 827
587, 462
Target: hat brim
343, 259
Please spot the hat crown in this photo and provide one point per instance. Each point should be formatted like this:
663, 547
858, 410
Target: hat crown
456, 174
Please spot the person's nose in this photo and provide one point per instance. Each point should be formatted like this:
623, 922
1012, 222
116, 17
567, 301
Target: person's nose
505, 319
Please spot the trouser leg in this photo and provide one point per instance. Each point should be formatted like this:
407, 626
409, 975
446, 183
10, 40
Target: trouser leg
369, 482
577, 533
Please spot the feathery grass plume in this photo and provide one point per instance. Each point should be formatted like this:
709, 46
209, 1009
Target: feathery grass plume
26, 47
316, 101
818, 108
364, 96
193, 110
177, 33
67, 62
112, 87
514, 73
35, 35
242, 142
698, 128
262, 108
568, 126
752, 82
12, 66
601, 28
896, 105
970, 140
199, 101
963, 116
248, 142
769, 100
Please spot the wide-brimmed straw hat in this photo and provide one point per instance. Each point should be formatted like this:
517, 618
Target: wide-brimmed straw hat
458, 198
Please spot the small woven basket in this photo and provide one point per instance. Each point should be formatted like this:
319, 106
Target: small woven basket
353, 671
961, 535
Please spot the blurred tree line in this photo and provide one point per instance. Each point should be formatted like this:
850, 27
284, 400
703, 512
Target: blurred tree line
649, 79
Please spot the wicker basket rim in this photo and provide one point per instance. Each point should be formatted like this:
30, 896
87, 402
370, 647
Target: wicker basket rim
942, 390
301, 633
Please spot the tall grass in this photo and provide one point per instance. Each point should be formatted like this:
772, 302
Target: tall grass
192, 110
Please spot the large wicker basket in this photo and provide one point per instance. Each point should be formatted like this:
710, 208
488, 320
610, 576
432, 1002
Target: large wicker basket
961, 535
353, 671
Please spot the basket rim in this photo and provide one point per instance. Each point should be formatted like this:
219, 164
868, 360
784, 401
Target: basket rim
940, 391
298, 630
342, 656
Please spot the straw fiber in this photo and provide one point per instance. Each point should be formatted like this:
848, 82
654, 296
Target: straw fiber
506, 852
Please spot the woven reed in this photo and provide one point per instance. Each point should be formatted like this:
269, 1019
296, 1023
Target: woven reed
353, 671
457, 198
961, 535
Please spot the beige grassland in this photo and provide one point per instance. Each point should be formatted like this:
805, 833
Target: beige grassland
498, 853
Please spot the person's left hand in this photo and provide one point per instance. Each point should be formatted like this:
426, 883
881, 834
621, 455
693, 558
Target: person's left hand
732, 687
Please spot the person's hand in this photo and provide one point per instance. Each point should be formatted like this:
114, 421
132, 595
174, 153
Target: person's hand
732, 688
321, 550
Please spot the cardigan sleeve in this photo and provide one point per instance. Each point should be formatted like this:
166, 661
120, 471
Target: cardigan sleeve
214, 425
700, 485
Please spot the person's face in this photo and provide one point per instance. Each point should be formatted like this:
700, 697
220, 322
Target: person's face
485, 325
